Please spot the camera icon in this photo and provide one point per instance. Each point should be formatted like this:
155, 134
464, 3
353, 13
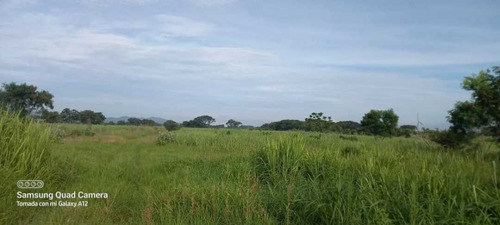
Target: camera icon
30, 184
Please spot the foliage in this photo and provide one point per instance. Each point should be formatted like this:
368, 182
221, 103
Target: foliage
407, 130
165, 138
139, 122
171, 125
318, 122
200, 121
24, 154
91, 117
349, 127
450, 139
380, 122
57, 134
284, 125
70, 116
50, 117
233, 123
24, 98
483, 111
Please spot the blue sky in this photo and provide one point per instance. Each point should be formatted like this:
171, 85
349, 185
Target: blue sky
253, 61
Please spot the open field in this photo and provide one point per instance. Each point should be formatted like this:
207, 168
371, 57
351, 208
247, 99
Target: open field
222, 176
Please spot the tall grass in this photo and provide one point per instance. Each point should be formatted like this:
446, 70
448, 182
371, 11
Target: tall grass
24, 155
384, 186
209, 176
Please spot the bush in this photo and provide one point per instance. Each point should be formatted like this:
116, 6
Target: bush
449, 139
165, 138
57, 134
171, 125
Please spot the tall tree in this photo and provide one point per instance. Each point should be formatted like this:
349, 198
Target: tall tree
171, 125
50, 117
380, 122
134, 121
200, 121
233, 123
91, 117
318, 122
483, 110
25, 98
70, 116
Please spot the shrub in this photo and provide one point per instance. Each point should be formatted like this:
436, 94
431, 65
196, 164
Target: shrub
171, 125
449, 139
57, 134
165, 138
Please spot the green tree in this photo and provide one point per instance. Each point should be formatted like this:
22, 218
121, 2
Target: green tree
171, 125
349, 127
134, 121
284, 125
320, 123
50, 116
200, 121
91, 117
483, 111
205, 120
24, 98
70, 116
407, 130
148, 122
380, 122
233, 123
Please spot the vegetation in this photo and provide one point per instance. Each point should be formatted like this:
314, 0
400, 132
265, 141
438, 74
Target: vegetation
171, 125
349, 127
320, 123
307, 174
380, 122
284, 125
233, 123
483, 111
24, 98
205, 176
481, 114
200, 121
24, 153
140, 122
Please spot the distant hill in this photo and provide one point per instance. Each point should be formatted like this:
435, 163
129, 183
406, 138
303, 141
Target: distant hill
158, 120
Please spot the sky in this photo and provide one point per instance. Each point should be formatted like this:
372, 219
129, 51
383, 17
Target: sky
253, 61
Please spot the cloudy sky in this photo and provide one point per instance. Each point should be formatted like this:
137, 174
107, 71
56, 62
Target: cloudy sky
254, 61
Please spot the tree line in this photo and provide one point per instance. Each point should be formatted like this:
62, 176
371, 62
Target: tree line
480, 114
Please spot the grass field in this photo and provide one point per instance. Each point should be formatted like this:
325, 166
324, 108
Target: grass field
222, 176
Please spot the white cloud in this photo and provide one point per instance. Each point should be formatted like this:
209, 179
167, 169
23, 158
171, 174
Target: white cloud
45, 40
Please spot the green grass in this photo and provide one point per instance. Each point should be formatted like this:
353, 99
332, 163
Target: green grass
211, 176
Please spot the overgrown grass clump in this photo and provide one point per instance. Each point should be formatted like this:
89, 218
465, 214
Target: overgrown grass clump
383, 186
165, 138
24, 154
